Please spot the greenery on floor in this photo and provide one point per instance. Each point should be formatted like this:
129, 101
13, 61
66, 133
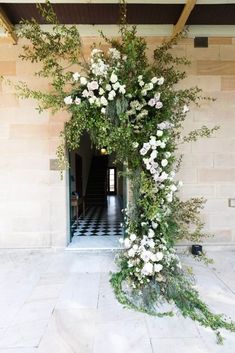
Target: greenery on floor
133, 105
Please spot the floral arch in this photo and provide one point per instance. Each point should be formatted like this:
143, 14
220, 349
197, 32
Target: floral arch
133, 107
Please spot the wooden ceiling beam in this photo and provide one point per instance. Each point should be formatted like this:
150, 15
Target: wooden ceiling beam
188, 8
7, 26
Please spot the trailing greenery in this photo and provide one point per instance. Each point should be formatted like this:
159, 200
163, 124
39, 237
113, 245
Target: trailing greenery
131, 105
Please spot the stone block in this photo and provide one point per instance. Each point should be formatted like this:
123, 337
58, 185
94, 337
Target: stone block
29, 131
8, 101
197, 190
214, 175
207, 54
215, 67
220, 41
228, 83
8, 68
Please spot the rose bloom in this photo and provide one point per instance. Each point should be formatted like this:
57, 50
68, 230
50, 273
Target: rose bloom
159, 133
159, 256
77, 101
68, 100
158, 267
76, 76
93, 85
147, 269
158, 105
161, 81
103, 101
83, 81
154, 80
113, 78
152, 102
164, 162
132, 237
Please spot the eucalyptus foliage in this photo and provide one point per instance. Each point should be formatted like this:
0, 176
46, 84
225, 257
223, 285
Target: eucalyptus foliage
135, 108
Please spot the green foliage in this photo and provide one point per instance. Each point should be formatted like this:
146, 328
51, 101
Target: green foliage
124, 131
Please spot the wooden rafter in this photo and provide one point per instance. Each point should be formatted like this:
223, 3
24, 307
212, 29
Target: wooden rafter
188, 7
7, 26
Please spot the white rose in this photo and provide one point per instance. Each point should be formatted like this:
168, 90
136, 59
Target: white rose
167, 154
76, 76
169, 197
127, 243
152, 170
158, 267
116, 85
141, 83
103, 101
68, 100
163, 176
101, 91
85, 93
103, 110
154, 80
154, 225
108, 87
122, 89
161, 81
147, 269
152, 102
140, 77
159, 133
151, 244
162, 144
164, 162
83, 81
149, 86
113, 78
143, 151
173, 187
131, 253
111, 95
92, 100
77, 100
157, 96
147, 145
159, 256
185, 109
153, 155
132, 236
93, 85
151, 233
135, 144
144, 92
158, 105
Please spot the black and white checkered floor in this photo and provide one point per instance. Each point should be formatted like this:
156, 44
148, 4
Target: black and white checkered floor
101, 221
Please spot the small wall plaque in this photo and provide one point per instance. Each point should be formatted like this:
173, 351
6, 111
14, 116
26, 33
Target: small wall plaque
54, 165
231, 202
201, 42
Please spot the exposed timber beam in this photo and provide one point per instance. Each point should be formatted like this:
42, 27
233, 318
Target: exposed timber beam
188, 8
7, 26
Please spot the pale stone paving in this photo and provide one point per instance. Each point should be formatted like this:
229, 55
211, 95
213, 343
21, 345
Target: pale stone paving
62, 302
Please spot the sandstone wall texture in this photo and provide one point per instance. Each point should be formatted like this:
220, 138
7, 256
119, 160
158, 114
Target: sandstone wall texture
34, 200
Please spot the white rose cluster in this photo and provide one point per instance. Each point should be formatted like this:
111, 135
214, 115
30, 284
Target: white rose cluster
104, 85
156, 160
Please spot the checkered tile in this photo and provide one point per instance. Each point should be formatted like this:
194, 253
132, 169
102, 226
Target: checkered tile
100, 221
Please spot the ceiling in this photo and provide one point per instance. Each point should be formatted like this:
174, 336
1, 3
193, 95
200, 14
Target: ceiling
137, 13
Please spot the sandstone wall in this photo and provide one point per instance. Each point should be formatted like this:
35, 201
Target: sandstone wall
33, 199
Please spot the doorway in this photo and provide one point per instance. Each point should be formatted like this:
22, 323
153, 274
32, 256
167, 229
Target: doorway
95, 179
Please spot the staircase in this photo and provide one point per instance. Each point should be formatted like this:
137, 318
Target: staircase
96, 192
